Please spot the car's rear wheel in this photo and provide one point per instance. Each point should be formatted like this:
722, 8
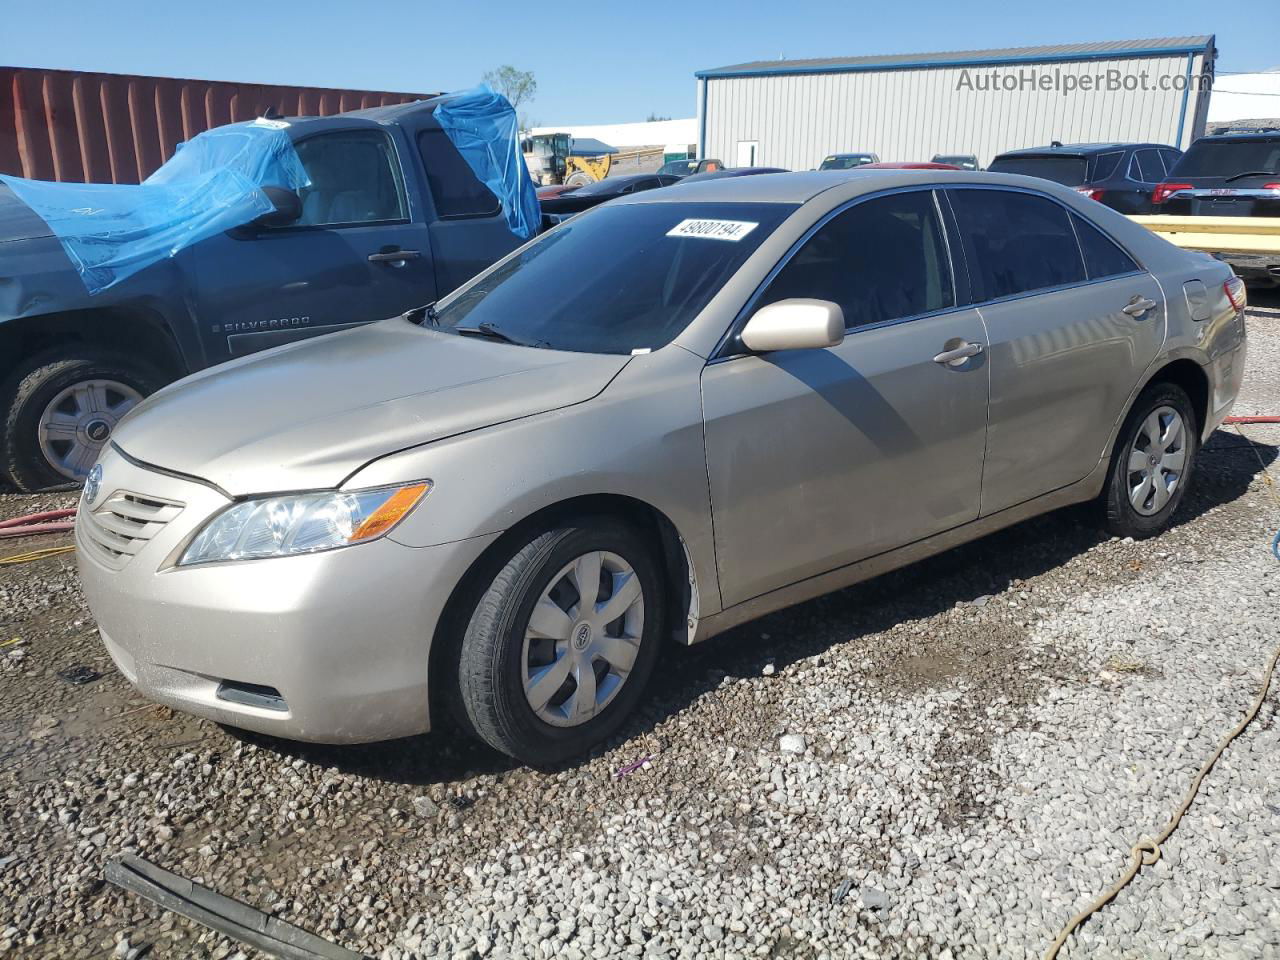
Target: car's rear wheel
59, 410
559, 647
1152, 464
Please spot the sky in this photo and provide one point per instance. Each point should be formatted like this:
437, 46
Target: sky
594, 63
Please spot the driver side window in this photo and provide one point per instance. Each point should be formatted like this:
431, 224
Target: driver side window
355, 179
881, 259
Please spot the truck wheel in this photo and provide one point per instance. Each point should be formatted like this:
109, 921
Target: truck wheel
561, 644
58, 410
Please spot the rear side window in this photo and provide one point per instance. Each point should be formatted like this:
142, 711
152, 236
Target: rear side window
882, 259
1102, 257
1170, 157
1150, 167
1106, 164
1016, 242
456, 190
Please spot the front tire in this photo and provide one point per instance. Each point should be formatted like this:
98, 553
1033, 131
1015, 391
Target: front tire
1152, 462
58, 410
560, 646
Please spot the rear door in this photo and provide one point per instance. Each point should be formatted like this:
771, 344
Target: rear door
468, 228
355, 255
820, 458
1073, 322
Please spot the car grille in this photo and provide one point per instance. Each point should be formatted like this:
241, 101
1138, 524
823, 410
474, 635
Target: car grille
123, 524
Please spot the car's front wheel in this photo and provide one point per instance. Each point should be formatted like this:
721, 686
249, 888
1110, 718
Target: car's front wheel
559, 647
1152, 464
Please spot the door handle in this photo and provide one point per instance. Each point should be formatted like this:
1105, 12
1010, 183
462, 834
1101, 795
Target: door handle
1138, 306
394, 256
959, 355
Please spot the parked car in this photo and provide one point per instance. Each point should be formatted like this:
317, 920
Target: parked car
672, 414
965, 161
393, 218
685, 168
847, 161
1120, 175
554, 190
733, 172
593, 194
1231, 175
909, 165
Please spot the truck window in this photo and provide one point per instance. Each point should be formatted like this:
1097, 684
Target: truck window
454, 187
355, 179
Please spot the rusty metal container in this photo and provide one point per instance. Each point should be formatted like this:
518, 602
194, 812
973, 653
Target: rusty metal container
116, 128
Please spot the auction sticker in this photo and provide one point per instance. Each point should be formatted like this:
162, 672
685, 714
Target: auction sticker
732, 230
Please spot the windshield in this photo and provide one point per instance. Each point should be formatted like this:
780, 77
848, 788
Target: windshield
616, 279
1226, 158
678, 168
1068, 171
845, 163
966, 161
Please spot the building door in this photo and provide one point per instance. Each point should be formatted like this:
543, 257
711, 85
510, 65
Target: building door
747, 152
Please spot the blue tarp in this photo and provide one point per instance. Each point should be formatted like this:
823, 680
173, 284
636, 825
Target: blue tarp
483, 126
211, 184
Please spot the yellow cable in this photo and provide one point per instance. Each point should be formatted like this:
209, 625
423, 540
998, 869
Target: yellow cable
34, 555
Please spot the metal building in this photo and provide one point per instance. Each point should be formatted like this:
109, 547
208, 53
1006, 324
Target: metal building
793, 113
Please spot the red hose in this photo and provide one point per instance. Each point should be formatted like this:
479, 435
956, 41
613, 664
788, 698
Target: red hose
1252, 420
37, 523
37, 518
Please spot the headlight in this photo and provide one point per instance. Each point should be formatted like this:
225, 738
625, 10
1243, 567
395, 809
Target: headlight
302, 523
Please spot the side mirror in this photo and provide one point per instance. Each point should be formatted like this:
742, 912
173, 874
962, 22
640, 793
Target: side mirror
797, 324
288, 208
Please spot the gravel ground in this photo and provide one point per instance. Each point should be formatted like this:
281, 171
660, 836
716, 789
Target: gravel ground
945, 762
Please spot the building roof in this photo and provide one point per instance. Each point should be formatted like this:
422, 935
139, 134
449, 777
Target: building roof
1057, 53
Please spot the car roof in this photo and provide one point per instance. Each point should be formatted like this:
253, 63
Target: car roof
1079, 149
1270, 133
801, 187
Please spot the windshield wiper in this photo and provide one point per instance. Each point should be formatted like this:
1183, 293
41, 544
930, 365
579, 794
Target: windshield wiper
488, 330
1253, 173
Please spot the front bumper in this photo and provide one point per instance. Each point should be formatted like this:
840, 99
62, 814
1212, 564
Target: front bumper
343, 636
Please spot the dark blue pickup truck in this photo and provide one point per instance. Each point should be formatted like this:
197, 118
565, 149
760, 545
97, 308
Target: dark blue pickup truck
393, 218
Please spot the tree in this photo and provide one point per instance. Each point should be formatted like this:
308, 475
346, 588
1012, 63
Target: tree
518, 86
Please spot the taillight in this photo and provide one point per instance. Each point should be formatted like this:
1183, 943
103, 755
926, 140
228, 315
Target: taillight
1271, 186
1235, 291
1163, 191
1091, 193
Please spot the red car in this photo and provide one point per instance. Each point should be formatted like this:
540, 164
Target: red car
909, 166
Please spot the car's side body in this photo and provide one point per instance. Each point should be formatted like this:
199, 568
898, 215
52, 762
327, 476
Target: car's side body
775, 477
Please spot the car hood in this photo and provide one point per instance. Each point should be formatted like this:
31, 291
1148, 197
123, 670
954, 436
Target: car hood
308, 415
17, 220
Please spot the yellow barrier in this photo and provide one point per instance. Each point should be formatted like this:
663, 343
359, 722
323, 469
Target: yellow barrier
1257, 235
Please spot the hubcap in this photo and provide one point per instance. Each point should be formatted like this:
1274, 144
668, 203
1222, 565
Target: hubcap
1157, 460
582, 639
77, 423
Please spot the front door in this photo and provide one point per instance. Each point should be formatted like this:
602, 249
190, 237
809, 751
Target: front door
354, 255
1073, 323
819, 458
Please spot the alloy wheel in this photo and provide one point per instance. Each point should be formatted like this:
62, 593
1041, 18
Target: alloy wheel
76, 424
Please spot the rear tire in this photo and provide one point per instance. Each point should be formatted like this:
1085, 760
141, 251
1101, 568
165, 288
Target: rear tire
40, 396
1152, 463
505, 651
